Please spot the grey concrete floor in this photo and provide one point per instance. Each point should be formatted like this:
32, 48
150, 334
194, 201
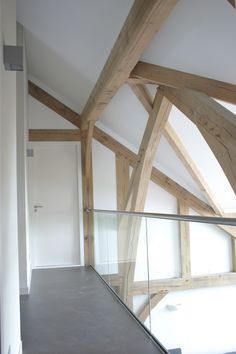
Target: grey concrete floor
71, 311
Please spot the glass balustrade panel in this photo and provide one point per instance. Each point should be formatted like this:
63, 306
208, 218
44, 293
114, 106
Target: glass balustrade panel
121, 258
177, 276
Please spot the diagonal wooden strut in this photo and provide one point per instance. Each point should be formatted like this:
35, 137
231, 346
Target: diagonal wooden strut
193, 170
159, 75
143, 22
173, 139
157, 176
154, 300
54, 104
147, 151
216, 123
140, 178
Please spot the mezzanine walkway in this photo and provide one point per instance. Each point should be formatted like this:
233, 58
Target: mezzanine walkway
70, 311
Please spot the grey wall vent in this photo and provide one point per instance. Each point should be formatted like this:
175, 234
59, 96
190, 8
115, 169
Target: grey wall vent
13, 57
30, 152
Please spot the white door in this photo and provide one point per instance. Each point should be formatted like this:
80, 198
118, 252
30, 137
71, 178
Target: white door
53, 202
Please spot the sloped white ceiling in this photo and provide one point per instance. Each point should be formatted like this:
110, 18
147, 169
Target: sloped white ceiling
198, 37
69, 41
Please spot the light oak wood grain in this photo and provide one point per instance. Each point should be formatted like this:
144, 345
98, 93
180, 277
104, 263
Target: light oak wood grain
216, 124
159, 75
143, 22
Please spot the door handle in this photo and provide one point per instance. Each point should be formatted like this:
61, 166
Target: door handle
36, 207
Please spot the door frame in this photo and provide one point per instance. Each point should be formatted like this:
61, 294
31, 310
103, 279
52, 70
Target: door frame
79, 206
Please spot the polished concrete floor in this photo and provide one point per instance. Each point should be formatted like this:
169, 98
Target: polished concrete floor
71, 311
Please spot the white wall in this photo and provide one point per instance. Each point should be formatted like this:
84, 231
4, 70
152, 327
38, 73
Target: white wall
203, 322
22, 194
104, 177
10, 317
162, 235
212, 246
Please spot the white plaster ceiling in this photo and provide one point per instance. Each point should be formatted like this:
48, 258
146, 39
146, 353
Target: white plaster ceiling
68, 42
198, 37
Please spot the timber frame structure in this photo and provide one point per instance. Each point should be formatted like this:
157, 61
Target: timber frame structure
192, 95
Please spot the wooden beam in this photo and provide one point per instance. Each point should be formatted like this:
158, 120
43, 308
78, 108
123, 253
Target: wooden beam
52, 103
157, 176
216, 123
233, 249
143, 22
122, 184
181, 193
115, 146
140, 178
115, 280
139, 186
192, 169
147, 151
159, 75
87, 188
122, 180
145, 98
144, 312
54, 135
191, 200
232, 2
143, 95
175, 284
87, 132
184, 232
171, 186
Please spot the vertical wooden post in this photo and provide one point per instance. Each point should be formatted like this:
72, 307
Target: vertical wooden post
233, 243
87, 186
184, 241
122, 184
122, 180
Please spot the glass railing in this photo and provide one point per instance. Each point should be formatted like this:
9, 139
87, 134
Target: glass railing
175, 273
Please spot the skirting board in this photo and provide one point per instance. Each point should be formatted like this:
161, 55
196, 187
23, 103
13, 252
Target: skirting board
58, 266
24, 291
20, 348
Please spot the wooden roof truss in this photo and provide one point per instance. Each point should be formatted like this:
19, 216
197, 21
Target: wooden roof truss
189, 93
